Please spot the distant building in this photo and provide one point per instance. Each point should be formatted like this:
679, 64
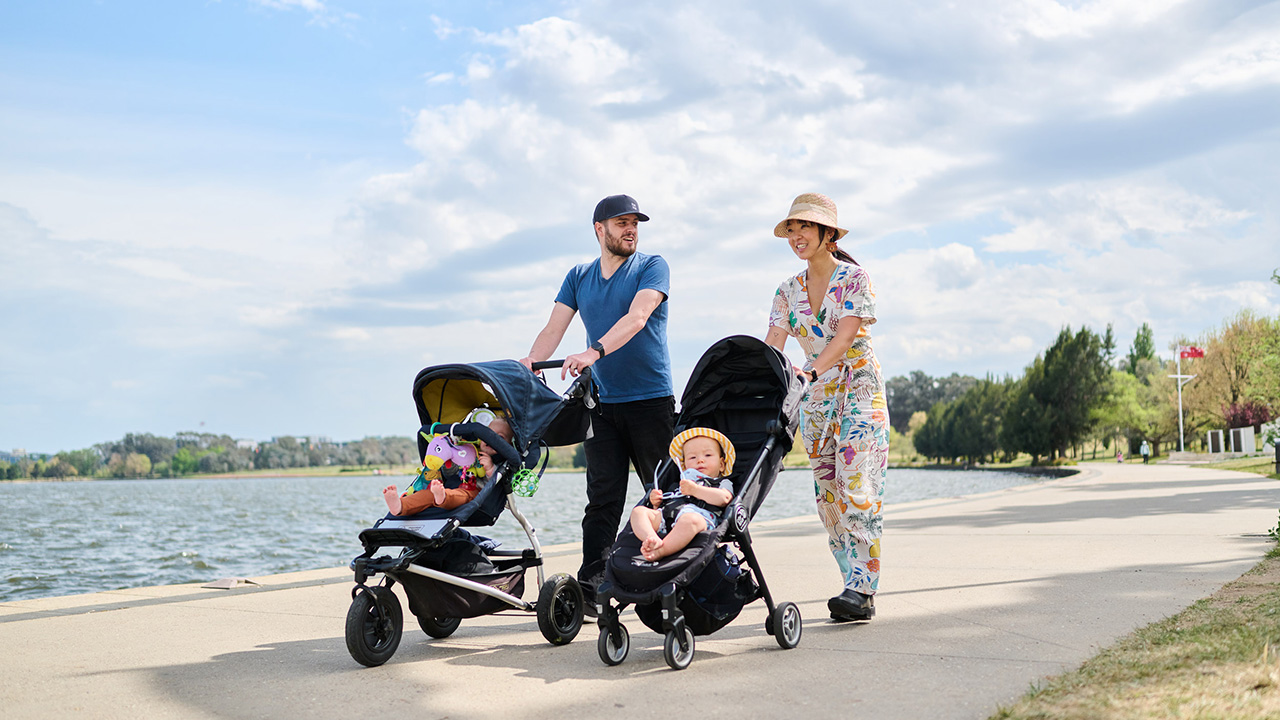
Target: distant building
247, 444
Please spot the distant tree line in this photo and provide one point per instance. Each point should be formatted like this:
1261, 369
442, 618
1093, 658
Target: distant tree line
145, 455
1076, 394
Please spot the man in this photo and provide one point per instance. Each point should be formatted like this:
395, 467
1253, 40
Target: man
623, 300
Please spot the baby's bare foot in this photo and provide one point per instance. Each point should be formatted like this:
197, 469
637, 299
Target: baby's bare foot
437, 491
651, 548
392, 495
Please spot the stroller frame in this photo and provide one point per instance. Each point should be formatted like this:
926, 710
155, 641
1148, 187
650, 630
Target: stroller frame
783, 620
375, 619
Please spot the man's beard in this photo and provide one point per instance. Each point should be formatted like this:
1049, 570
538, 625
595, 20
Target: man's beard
616, 246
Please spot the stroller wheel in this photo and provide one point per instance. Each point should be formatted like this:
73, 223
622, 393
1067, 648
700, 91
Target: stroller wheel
374, 625
441, 627
786, 625
678, 659
560, 607
610, 652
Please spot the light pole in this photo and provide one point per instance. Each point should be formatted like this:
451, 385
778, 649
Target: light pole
1187, 352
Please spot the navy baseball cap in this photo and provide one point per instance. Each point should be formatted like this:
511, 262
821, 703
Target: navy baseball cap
615, 205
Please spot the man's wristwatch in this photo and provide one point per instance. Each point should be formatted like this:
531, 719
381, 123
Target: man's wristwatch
598, 347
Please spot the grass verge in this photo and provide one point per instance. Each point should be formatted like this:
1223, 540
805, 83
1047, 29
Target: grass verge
1219, 658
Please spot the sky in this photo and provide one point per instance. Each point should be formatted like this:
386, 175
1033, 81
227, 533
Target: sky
264, 217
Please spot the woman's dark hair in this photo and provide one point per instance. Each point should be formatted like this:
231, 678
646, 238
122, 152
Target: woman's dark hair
842, 256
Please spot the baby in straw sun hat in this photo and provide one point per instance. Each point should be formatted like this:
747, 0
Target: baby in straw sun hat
706, 457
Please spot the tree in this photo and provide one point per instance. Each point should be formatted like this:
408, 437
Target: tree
1027, 420
1068, 386
1143, 348
184, 461
59, 468
133, 465
917, 392
928, 438
1239, 367
86, 462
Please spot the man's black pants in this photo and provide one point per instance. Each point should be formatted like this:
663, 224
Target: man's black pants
622, 434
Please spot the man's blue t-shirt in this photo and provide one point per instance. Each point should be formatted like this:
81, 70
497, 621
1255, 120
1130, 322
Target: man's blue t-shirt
641, 369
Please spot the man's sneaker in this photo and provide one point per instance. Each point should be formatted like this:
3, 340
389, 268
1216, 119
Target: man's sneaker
852, 605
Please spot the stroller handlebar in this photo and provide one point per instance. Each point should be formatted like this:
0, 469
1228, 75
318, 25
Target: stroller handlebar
547, 365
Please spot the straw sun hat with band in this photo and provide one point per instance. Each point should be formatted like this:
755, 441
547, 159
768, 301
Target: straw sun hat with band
820, 209
726, 448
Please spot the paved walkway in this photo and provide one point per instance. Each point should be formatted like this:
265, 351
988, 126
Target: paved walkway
983, 596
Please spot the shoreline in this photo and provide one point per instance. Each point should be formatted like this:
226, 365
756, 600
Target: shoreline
410, 471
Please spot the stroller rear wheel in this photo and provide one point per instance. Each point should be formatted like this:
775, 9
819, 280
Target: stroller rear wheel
676, 657
785, 625
560, 607
611, 652
374, 625
438, 627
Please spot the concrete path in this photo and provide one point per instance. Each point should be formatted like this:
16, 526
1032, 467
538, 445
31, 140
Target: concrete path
982, 597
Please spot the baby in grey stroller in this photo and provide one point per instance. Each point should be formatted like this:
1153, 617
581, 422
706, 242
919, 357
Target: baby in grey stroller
747, 393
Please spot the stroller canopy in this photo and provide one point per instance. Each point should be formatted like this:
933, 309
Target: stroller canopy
743, 388
446, 393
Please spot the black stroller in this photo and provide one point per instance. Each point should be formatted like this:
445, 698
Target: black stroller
748, 391
446, 572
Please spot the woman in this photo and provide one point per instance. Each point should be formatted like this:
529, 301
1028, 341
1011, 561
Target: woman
845, 422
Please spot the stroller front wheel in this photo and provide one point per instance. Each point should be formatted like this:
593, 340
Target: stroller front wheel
786, 625
614, 652
560, 607
374, 625
678, 658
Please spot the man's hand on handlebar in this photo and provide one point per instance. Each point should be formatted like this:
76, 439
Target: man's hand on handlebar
575, 364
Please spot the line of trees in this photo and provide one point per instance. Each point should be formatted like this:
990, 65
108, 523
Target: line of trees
1077, 393
146, 455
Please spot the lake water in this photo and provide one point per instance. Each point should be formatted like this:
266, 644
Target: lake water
65, 538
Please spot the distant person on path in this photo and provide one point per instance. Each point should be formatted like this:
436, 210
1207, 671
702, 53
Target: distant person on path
622, 296
705, 457
1119, 455
845, 419
1145, 450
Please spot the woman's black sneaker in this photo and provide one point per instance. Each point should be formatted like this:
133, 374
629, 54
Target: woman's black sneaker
852, 605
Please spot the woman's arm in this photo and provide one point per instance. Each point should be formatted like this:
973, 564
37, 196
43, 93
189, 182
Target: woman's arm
776, 338
846, 332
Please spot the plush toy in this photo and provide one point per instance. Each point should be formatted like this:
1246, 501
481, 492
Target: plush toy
447, 457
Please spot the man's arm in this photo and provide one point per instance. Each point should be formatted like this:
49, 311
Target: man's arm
549, 339
642, 306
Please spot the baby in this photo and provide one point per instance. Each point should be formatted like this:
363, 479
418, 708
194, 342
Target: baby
436, 494
705, 457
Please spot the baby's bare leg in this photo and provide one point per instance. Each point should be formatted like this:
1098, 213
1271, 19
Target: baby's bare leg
645, 523
391, 494
682, 532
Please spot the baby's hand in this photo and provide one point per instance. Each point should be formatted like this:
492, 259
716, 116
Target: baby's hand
655, 497
688, 487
